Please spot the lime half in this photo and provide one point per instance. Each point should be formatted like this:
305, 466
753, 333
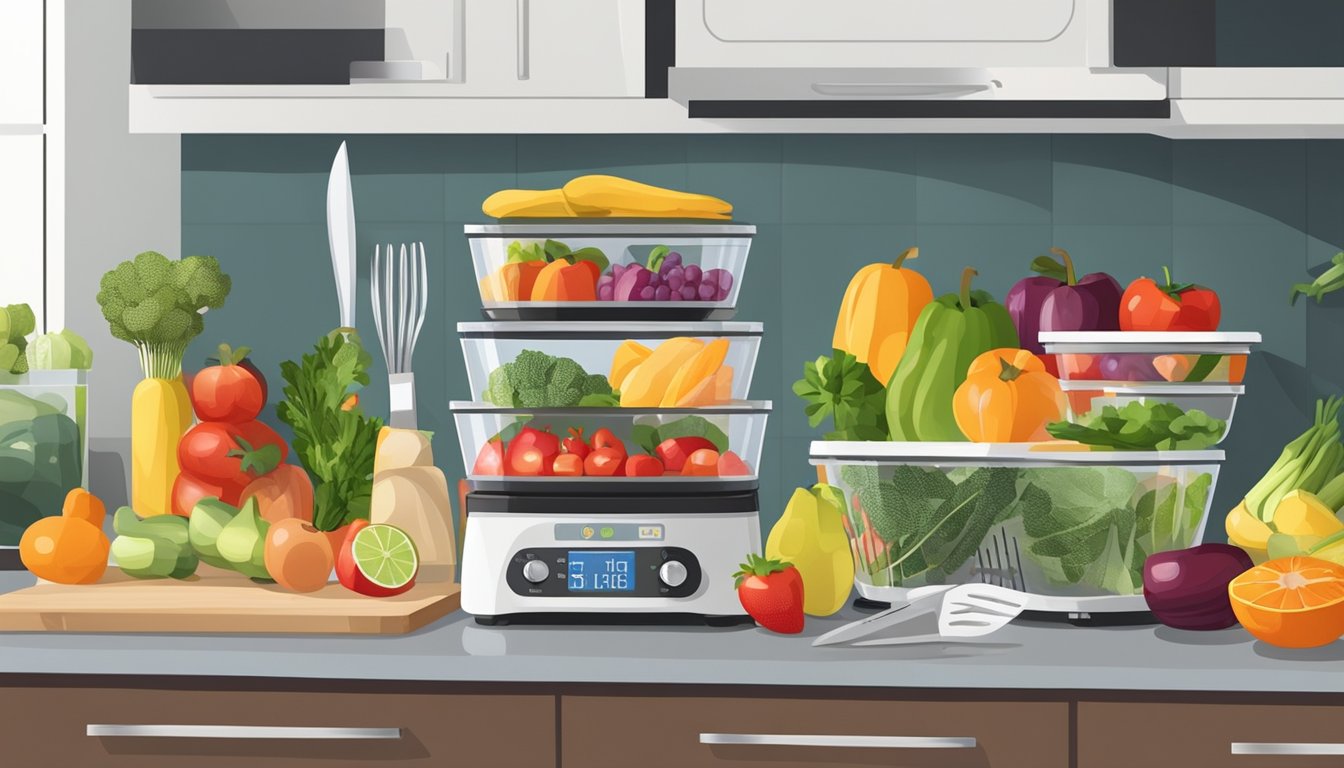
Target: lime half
385, 555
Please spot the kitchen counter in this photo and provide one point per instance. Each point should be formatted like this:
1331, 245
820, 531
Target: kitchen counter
1022, 656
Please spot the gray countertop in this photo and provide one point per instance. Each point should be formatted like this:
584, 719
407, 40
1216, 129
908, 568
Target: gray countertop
1026, 655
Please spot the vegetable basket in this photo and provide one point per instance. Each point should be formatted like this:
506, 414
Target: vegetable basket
710, 259
491, 439
43, 445
557, 364
1071, 527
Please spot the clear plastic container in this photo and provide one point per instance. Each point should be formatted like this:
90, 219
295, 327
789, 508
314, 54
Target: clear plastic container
487, 433
43, 445
1036, 518
1216, 400
706, 246
705, 364
1127, 356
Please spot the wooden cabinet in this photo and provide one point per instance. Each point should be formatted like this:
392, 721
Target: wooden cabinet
1113, 735
617, 731
147, 728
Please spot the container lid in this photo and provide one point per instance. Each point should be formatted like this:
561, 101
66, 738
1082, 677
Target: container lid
59, 377
998, 453
1158, 389
1149, 337
605, 329
734, 407
610, 228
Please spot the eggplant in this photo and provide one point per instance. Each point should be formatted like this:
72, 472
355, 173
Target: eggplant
1057, 301
1024, 306
1187, 588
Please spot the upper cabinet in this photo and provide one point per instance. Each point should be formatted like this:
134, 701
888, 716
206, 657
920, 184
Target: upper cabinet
21, 66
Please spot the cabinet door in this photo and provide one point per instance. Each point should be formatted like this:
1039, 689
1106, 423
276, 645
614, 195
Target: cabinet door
21, 207
1209, 735
21, 46
143, 728
673, 731
554, 48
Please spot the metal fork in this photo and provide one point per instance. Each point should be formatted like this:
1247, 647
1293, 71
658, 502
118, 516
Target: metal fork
399, 292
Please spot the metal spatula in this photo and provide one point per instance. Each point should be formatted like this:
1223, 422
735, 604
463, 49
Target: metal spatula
968, 611
918, 602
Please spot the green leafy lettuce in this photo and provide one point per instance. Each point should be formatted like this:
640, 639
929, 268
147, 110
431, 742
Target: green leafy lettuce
1144, 426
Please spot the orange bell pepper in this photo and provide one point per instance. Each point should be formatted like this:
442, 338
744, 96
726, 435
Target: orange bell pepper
1008, 397
513, 281
561, 280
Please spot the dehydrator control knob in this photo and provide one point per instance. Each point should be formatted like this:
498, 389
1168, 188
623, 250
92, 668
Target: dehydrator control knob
672, 573
536, 571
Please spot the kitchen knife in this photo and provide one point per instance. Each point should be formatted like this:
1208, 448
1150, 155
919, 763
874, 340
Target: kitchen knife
341, 234
919, 601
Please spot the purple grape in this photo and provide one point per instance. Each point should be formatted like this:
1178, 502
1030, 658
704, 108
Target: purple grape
617, 270
672, 259
722, 294
687, 293
646, 293
675, 279
655, 280
707, 292
606, 292
693, 274
725, 280
605, 280
662, 293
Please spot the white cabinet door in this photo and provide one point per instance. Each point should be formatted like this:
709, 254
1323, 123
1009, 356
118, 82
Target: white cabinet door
554, 48
21, 224
21, 74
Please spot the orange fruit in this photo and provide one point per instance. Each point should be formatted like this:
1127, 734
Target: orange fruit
1291, 602
66, 550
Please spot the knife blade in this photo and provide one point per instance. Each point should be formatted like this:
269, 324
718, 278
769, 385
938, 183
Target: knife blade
341, 234
919, 601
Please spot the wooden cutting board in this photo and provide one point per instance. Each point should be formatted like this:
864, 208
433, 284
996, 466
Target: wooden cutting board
215, 601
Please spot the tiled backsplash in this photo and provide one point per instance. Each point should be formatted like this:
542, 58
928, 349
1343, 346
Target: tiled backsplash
1248, 218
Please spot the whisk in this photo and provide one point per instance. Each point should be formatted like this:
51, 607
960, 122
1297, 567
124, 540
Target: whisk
400, 295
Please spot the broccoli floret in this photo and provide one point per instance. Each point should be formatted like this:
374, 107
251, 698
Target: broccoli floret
594, 384
155, 304
531, 370
566, 373
533, 397
538, 380
499, 389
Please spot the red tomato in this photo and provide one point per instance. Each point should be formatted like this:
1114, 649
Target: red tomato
204, 451
732, 465
603, 438
568, 465
188, 490
674, 451
490, 461
1147, 306
227, 392
574, 443
643, 466
531, 453
772, 593
702, 463
604, 462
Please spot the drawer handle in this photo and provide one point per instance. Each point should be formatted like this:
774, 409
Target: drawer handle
816, 740
237, 732
524, 39
1285, 748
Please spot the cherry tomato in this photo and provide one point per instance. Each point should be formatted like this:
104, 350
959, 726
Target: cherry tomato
490, 461
604, 438
674, 451
518, 459
604, 462
643, 466
568, 465
574, 443
702, 463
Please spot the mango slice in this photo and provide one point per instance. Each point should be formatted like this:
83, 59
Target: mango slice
700, 369
645, 387
628, 356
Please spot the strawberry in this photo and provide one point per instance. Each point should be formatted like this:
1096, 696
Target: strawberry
772, 593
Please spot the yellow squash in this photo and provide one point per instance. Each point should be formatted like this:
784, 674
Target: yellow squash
160, 415
879, 311
527, 203
599, 195
811, 535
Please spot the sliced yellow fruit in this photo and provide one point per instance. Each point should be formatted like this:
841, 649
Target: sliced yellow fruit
723, 384
698, 371
1300, 513
590, 194
645, 387
529, 203
1245, 530
628, 356
715, 390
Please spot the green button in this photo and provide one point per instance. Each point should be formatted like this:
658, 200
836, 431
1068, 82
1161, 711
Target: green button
608, 532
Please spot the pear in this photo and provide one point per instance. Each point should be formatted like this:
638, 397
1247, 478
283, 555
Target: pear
811, 535
208, 519
242, 542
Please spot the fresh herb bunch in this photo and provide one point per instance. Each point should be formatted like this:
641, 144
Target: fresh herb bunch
842, 389
333, 438
1140, 426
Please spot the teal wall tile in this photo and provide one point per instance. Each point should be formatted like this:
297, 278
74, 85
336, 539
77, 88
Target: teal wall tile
975, 179
1001, 254
761, 301
253, 197
1111, 180
296, 153
820, 260
744, 170
860, 179
1239, 182
1325, 203
546, 161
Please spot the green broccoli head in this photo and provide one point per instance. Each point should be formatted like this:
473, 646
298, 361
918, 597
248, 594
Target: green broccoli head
531, 370
201, 280
538, 380
594, 384
566, 374
499, 389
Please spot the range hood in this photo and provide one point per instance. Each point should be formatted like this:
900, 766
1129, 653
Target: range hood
906, 58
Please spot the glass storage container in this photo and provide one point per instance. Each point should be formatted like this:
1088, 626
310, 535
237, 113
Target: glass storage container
1219, 401
1128, 356
1039, 518
735, 433
709, 264
652, 364
43, 445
